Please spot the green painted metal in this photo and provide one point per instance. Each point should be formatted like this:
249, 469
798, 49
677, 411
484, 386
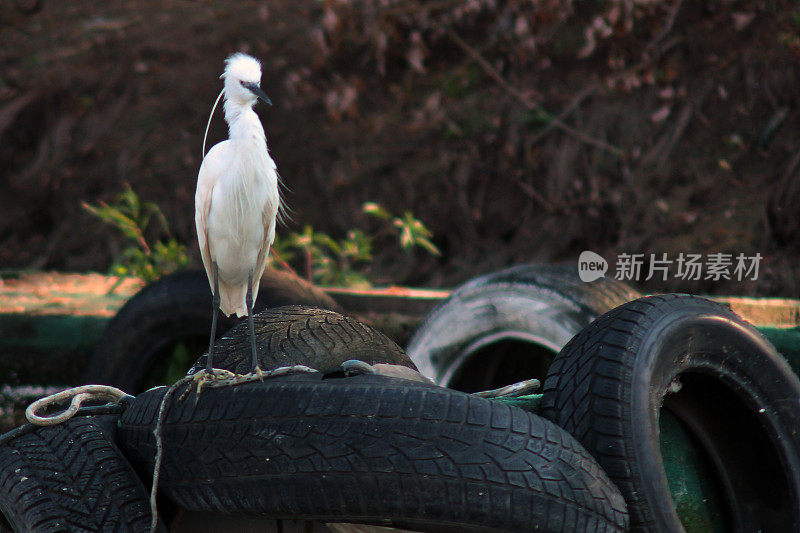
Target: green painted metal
46, 349
692, 482
787, 342
698, 500
528, 402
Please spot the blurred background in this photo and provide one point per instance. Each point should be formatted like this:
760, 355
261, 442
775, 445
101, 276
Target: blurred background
514, 131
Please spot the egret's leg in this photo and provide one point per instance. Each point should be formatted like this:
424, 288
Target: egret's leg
249, 302
214, 312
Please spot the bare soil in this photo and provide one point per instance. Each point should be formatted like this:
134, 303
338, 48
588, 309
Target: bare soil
678, 130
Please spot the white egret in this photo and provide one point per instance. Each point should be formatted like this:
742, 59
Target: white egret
237, 200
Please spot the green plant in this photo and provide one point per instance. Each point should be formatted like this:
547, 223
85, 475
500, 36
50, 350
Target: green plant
133, 217
411, 231
344, 262
327, 261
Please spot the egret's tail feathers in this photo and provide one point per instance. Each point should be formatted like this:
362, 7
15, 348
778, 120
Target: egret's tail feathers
231, 299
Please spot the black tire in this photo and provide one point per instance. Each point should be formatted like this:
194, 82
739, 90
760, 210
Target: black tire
177, 308
70, 477
508, 326
682, 357
371, 449
300, 335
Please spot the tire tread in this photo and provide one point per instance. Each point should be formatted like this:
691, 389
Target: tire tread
70, 477
587, 389
297, 334
333, 447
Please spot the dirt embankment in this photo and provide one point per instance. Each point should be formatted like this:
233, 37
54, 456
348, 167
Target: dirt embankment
517, 131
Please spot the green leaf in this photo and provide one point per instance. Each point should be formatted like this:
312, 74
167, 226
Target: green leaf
429, 246
406, 238
374, 209
325, 240
132, 217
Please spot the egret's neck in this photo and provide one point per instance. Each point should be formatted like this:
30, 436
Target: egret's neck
243, 123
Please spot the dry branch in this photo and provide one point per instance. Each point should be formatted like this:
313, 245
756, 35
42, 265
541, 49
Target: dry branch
532, 106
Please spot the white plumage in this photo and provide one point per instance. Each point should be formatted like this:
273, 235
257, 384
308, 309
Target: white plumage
237, 199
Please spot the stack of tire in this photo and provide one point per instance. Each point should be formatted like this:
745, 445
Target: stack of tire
325, 447
625, 379
692, 414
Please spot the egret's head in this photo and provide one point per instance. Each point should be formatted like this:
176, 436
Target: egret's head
242, 78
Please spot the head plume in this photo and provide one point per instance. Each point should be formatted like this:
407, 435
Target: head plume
239, 68
242, 67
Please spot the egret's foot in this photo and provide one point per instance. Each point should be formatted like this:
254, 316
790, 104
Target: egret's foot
215, 375
258, 373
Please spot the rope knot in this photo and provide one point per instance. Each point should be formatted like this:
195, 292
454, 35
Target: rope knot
78, 395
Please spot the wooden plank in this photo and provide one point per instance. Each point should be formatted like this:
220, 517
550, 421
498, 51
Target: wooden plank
765, 312
399, 300
49, 321
53, 293
396, 311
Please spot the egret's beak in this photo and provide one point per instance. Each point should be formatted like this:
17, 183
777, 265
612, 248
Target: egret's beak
256, 90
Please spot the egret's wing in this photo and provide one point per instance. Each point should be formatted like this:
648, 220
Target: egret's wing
202, 207
202, 201
268, 219
207, 179
269, 214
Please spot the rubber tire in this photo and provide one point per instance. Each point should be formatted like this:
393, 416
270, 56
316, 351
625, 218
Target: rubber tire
178, 306
71, 477
301, 335
737, 396
541, 306
371, 449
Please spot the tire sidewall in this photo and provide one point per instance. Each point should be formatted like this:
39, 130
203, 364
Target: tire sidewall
175, 307
726, 350
179, 306
478, 315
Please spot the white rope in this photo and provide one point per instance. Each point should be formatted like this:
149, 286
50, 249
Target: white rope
226, 378
529, 386
78, 396
356, 366
216, 378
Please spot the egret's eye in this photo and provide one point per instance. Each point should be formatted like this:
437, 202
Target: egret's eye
241, 82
